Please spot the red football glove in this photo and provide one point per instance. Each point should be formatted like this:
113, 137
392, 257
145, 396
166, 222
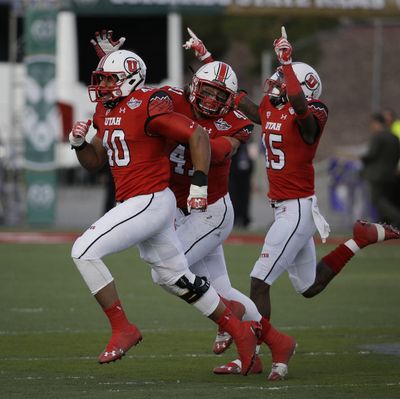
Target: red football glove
103, 43
200, 51
78, 133
283, 49
197, 200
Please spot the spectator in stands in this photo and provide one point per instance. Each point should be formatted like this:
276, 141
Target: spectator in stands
380, 169
391, 121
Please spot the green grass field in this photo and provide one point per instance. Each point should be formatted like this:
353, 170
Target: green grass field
51, 331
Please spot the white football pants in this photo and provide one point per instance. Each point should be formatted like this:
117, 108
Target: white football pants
202, 235
289, 244
148, 222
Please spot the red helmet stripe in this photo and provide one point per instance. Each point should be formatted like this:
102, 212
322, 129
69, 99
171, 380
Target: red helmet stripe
222, 72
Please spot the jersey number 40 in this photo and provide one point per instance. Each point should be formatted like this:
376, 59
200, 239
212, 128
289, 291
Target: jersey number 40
117, 149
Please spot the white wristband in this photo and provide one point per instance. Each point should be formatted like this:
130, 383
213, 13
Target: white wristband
206, 55
197, 191
75, 141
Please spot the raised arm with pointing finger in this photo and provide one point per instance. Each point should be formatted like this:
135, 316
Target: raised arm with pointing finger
200, 51
247, 106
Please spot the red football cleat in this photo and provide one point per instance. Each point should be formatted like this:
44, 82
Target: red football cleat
223, 340
282, 349
246, 342
366, 233
119, 344
235, 367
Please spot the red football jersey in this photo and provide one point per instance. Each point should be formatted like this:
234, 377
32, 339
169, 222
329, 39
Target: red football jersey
138, 160
289, 159
233, 124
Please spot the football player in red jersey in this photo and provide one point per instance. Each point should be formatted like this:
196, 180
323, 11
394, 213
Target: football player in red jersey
133, 124
209, 101
292, 119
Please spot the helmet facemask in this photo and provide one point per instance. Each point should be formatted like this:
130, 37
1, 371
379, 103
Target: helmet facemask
211, 99
105, 93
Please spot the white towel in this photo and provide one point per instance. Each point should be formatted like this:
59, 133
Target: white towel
320, 222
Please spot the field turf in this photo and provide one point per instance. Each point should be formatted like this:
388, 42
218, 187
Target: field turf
52, 330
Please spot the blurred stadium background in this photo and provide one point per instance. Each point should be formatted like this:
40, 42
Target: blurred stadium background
46, 61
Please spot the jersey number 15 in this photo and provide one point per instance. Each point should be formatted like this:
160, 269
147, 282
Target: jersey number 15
278, 160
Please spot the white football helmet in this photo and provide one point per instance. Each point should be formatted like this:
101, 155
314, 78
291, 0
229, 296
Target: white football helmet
202, 93
124, 71
308, 77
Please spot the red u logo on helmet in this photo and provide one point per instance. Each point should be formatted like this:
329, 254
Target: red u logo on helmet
131, 65
311, 81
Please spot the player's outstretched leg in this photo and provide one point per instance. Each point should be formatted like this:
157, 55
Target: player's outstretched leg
366, 233
223, 340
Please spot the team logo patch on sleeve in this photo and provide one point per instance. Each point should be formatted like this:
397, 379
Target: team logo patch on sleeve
222, 125
244, 134
160, 103
134, 103
319, 110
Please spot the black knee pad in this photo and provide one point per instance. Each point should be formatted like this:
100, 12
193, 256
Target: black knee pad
195, 290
